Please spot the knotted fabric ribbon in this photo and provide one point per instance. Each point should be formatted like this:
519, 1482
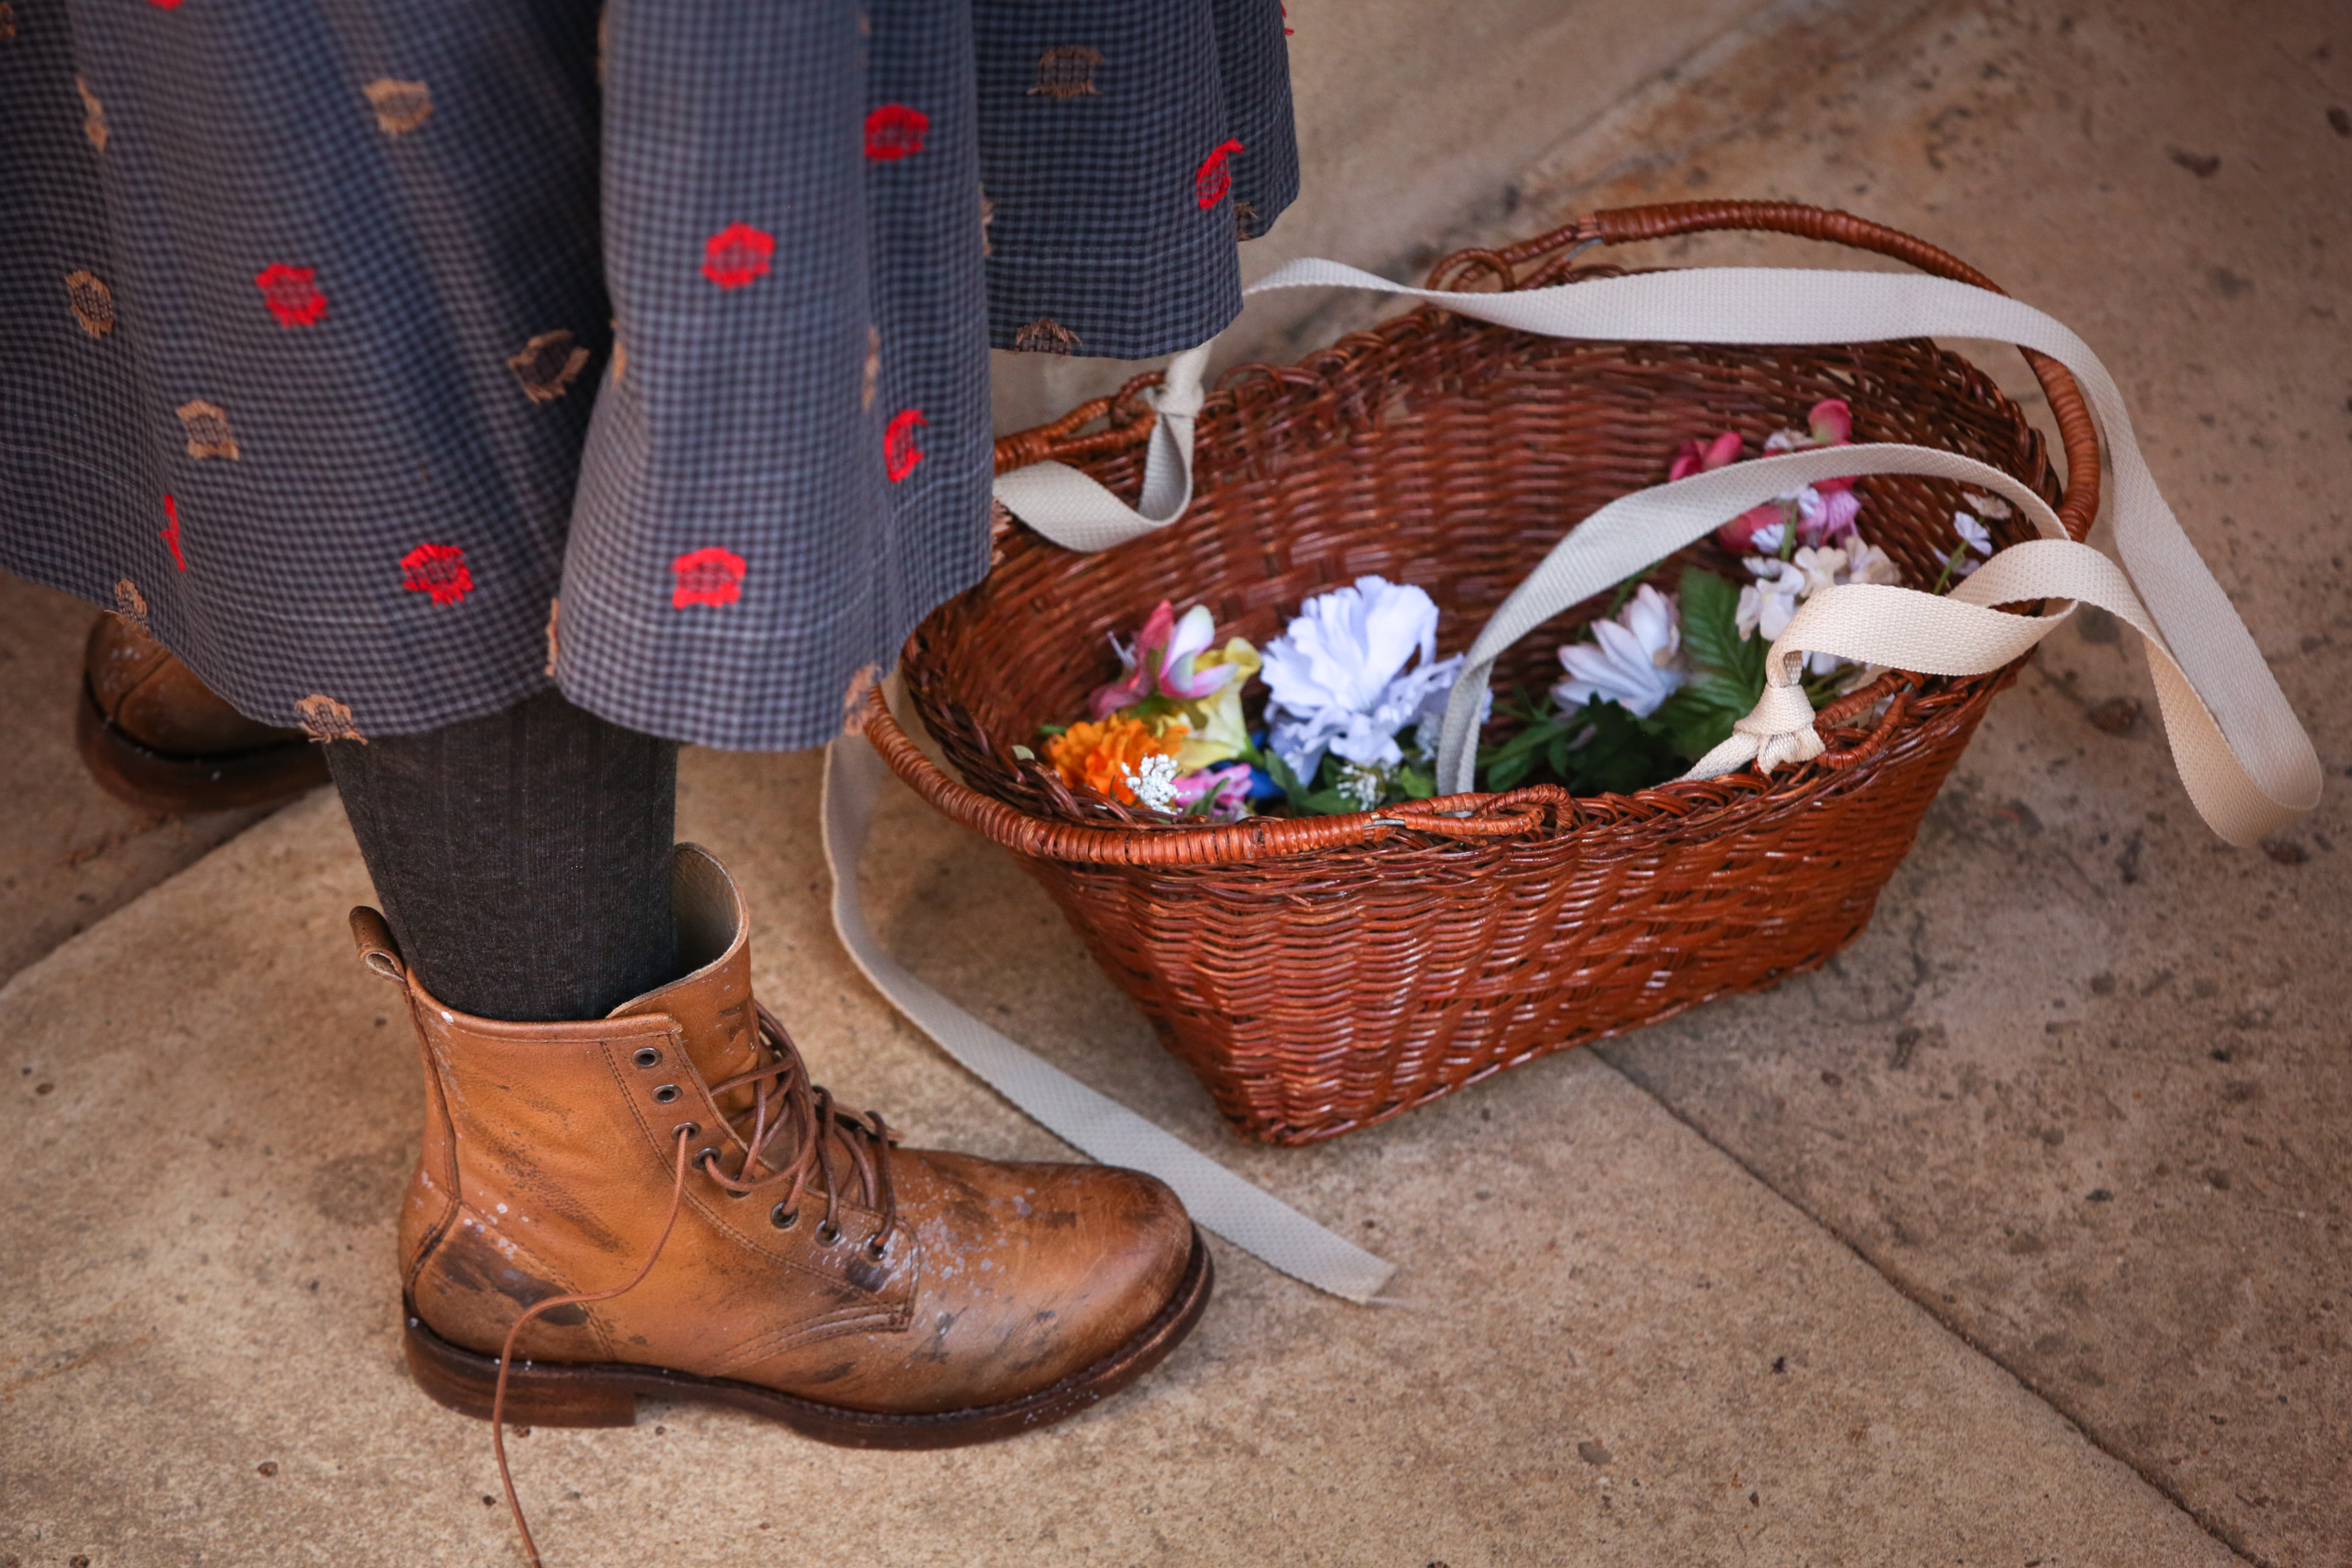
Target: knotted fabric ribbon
2243, 757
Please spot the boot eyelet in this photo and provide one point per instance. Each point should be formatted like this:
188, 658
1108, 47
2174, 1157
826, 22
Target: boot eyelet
703, 1157
648, 1057
783, 1218
665, 1094
828, 1233
686, 1130
875, 1250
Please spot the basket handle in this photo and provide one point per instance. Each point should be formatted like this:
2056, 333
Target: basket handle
2243, 755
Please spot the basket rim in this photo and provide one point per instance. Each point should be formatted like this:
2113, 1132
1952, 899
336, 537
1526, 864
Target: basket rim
1537, 262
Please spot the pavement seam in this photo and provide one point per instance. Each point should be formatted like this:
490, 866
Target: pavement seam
1929, 1308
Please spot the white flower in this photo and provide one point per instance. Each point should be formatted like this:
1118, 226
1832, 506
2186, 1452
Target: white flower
1869, 563
1154, 783
1987, 506
1337, 679
1820, 568
1631, 661
1767, 604
1363, 785
1977, 537
1769, 537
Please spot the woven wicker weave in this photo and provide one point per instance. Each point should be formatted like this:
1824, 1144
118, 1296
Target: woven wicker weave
1324, 973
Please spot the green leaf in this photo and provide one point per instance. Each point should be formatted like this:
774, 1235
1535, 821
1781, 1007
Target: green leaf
1285, 780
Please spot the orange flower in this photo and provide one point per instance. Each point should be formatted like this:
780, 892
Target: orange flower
1099, 755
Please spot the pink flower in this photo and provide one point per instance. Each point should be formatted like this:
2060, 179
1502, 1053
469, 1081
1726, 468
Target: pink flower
1225, 788
1831, 423
1697, 457
1162, 662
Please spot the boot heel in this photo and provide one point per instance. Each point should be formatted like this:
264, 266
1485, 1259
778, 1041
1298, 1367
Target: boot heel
545, 1395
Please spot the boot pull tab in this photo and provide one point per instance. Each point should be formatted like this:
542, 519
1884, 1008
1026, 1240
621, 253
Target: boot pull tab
377, 949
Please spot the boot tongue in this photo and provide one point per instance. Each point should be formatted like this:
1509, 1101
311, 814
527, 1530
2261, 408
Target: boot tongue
712, 1001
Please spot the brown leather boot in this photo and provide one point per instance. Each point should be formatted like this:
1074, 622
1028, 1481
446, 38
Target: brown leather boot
154, 735
861, 1293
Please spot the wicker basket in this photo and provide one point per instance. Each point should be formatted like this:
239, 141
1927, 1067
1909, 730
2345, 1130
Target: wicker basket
1320, 974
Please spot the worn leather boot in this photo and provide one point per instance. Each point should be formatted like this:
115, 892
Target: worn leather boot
155, 736
862, 1293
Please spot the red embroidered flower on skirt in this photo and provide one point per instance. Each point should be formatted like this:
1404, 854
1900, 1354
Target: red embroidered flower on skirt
1215, 176
899, 453
439, 570
737, 254
707, 576
170, 532
894, 132
290, 294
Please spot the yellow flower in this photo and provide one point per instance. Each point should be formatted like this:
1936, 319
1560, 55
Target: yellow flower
1099, 755
1217, 732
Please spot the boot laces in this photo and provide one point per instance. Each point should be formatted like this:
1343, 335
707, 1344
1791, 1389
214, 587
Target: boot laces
783, 1101
790, 1113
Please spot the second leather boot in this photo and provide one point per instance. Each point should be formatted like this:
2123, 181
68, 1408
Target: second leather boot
862, 1293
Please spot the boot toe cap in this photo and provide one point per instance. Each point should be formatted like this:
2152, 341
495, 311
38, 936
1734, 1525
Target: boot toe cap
1031, 1273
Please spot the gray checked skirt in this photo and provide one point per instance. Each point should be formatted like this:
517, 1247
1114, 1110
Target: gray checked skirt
390, 361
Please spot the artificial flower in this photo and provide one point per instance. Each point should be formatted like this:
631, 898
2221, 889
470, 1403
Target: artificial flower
1758, 528
1338, 674
1975, 535
1218, 734
1820, 568
1164, 662
1631, 661
1101, 755
1226, 789
1987, 506
1153, 782
1869, 563
1697, 457
1767, 604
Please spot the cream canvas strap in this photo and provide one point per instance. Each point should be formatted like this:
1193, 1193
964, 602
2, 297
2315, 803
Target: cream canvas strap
2243, 757
1248, 1217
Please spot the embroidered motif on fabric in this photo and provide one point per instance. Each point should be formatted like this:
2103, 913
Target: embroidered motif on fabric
873, 367
547, 365
895, 132
164, 4
207, 424
131, 604
437, 570
290, 294
554, 607
899, 453
170, 532
1045, 336
1286, 31
93, 115
1244, 220
987, 216
1067, 70
327, 719
737, 254
8, 21
400, 106
706, 576
1215, 176
92, 302
620, 354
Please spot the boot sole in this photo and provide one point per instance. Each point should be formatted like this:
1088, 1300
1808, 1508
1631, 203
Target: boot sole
160, 781
605, 1394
